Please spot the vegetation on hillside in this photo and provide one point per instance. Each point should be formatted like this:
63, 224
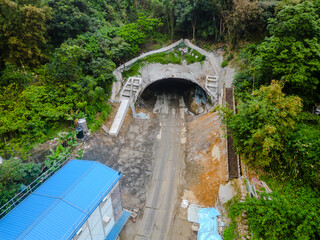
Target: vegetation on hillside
56, 64
50, 87
275, 130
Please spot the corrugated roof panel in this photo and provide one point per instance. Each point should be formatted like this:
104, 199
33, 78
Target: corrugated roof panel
82, 194
33, 207
65, 179
59, 205
56, 224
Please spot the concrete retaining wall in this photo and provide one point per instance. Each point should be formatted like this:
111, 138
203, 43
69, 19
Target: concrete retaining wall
119, 118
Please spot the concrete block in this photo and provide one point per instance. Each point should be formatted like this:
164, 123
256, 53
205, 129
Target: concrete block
119, 118
226, 192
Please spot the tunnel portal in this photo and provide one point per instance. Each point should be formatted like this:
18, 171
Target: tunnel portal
194, 96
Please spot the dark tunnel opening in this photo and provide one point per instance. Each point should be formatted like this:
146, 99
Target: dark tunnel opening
194, 96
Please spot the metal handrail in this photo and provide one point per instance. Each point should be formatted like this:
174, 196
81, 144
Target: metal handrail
32, 186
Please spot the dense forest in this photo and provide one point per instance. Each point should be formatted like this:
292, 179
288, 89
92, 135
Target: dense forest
56, 64
276, 130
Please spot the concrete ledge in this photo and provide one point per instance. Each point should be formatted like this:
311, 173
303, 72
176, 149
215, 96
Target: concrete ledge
119, 118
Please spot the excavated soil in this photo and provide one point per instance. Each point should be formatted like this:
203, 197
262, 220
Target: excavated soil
205, 169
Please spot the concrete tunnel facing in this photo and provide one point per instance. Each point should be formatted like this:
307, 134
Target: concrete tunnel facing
195, 97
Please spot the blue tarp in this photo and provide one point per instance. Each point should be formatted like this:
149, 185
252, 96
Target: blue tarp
200, 96
208, 224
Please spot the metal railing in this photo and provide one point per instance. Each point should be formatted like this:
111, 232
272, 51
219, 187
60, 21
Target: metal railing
32, 186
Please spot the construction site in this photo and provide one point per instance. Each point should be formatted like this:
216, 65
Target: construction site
170, 146
166, 146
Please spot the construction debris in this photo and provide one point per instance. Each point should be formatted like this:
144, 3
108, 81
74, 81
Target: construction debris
193, 213
184, 203
140, 115
208, 224
105, 129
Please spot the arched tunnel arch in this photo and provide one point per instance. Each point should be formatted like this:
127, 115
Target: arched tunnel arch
195, 97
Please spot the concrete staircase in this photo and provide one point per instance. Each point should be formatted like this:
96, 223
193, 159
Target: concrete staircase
212, 84
131, 89
128, 95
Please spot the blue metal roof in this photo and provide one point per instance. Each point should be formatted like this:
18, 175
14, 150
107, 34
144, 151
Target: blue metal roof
58, 208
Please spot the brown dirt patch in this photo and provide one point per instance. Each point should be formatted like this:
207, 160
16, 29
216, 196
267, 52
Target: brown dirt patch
206, 158
205, 169
212, 175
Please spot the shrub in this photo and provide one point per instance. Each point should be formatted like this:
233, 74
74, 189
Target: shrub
224, 63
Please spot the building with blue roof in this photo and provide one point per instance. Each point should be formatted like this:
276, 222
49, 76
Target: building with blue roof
80, 201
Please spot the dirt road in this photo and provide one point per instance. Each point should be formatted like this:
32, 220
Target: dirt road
160, 203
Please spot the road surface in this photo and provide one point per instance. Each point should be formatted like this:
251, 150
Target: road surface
161, 196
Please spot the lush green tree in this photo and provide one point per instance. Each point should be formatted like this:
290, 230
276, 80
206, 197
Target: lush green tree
65, 65
12, 74
291, 53
262, 126
164, 10
69, 19
193, 13
13, 173
9, 176
22, 33
31, 111
303, 159
113, 11
138, 33
244, 20
105, 44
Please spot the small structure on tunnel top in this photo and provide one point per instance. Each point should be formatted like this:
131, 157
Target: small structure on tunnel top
80, 201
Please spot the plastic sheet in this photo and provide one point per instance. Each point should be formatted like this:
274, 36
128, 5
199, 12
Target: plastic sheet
200, 96
208, 224
140, 115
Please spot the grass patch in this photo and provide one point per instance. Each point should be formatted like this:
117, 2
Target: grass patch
224, 63
231, 232
233, 208
173, 57
194, 56
133, 70
95, 121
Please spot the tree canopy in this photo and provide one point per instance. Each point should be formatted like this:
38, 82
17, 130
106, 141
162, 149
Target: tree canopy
262, 126
23, 32
290, 54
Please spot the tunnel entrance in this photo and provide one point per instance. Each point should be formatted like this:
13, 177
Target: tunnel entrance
195, 98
